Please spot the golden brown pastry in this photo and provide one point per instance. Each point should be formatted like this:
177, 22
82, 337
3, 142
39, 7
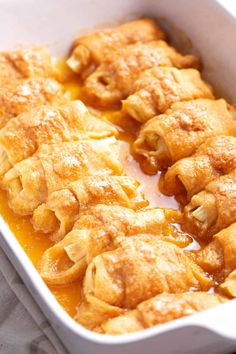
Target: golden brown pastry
23, 95
178, 133
23, 135
158, 88
53, 167
63, 166
212, 209
63, 207
25, 63
142, 267
92, 313
216, 157
117, 220
161, 309
99, 229
89, 51
115, 78
228, 287
218, 257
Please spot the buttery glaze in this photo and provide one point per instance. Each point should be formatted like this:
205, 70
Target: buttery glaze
36, 243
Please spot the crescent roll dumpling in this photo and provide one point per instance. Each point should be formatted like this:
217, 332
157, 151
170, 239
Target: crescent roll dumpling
117, 220
141, 268
161, 309
89, 51
212, 209
31, 181
229, 285
25, 63
169, 137
216, 157
219, 255
92, 313
99, 229
23, 95
23, 135
158, 88
115, 78
62, 208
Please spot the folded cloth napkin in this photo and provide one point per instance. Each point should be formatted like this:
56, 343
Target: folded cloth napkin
23, 327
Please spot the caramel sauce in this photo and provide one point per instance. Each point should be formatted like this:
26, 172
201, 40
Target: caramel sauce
35, 243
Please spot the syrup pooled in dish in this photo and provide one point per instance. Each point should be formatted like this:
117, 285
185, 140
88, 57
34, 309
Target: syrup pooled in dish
118, 166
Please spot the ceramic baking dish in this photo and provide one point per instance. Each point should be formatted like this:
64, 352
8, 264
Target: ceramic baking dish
213, 32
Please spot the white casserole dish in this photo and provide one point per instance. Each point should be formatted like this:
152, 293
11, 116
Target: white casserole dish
55, 23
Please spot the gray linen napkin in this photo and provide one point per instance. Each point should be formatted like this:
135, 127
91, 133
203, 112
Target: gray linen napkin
23, 327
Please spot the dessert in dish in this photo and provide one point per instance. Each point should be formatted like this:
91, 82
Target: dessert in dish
24, 134
88, 174
158, 88
176, 134
21, 96
114, 79
213, 208
30, 182
219, 255
99, 229
62, 208
214, 158
25, 63
88, 51
160, 309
